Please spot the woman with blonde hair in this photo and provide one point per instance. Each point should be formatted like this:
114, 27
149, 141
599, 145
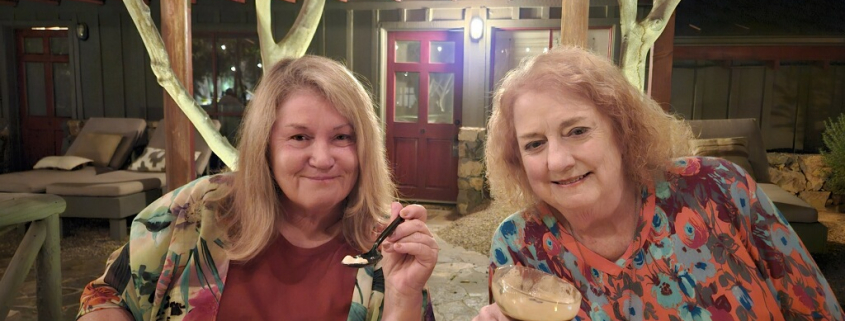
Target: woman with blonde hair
610, 204
312, 187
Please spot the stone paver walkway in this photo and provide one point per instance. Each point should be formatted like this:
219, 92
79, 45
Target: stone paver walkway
458, 284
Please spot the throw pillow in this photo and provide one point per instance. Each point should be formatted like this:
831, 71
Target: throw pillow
732, 149
67, 163
98, 147
152, 160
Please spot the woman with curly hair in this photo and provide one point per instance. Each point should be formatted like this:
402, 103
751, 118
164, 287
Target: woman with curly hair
610, 204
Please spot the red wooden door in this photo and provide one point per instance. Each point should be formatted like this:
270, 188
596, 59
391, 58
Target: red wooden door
424, 77
44, 78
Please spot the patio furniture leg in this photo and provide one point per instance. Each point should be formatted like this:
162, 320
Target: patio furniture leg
117, 229
49, 273
19, 267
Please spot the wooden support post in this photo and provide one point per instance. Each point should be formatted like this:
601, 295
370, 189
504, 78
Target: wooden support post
48, 273
20, 265
660, 74
179, 142
574, 22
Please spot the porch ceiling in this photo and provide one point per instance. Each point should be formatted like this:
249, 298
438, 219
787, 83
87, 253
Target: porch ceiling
753, 18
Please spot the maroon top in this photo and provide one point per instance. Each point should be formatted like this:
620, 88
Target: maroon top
285, 282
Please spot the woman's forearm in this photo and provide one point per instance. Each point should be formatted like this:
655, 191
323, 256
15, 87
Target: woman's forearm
402, 306
116, 314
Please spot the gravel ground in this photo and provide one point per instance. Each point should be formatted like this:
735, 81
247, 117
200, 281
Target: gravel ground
473, 232
83, 239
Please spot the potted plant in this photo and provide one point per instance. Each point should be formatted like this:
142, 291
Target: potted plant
834, 158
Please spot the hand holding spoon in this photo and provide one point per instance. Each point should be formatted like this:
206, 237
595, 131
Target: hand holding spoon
373, 255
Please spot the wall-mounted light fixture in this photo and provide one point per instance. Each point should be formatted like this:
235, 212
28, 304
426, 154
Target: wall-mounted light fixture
82, 31
476, 28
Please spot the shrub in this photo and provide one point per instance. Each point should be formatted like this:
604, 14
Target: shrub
834, 156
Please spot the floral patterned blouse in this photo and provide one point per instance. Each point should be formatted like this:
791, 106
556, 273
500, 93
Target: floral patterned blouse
710, 246
174, 266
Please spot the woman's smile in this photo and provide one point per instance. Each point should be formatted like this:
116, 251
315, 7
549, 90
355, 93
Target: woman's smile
571, 181
569, 153
314, 155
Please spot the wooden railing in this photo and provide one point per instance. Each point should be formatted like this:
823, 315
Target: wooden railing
40, 242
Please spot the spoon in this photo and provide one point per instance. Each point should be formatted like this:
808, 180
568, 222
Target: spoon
373, 255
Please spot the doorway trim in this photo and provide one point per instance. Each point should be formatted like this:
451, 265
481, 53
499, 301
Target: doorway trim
382, 43
9, 74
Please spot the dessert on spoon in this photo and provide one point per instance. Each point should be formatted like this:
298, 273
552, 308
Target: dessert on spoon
373, 255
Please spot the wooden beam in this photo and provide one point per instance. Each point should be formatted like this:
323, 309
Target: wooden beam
99, 2
48, 269
20, 264
574, 22
179, 141
762, 52
773, 64
660, 74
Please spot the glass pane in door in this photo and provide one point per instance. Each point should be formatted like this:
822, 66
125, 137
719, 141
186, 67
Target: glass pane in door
407, 51
33, 45
59, 46
227, 61
512, 46
62, 89
441, 98
407, 97
203, 72
251, 67
35, 100
442, 52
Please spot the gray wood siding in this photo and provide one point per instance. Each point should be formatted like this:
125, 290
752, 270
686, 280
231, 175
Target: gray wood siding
791, 102
114, 77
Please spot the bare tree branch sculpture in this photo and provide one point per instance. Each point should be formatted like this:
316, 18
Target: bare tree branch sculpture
294, 44
160, 64
639, 36
298, 38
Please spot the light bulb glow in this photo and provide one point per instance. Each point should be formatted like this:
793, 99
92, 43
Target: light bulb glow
476, 28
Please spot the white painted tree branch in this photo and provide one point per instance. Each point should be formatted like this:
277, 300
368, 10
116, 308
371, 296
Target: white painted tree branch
639, 36
160, 63
298, 38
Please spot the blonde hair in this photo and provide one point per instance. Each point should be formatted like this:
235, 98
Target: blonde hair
252, 207
648, 137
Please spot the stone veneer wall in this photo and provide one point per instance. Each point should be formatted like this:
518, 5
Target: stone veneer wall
804, 175
472, 187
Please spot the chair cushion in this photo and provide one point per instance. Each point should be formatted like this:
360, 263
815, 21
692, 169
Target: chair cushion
731, 148
152, 160
116, 183
794, 209
746, 127
67, 163
131, 129
36, 181
200, 162
98, 147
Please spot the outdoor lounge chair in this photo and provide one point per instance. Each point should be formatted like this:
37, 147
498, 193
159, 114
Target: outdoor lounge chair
120, 194
36, 181
803, 218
